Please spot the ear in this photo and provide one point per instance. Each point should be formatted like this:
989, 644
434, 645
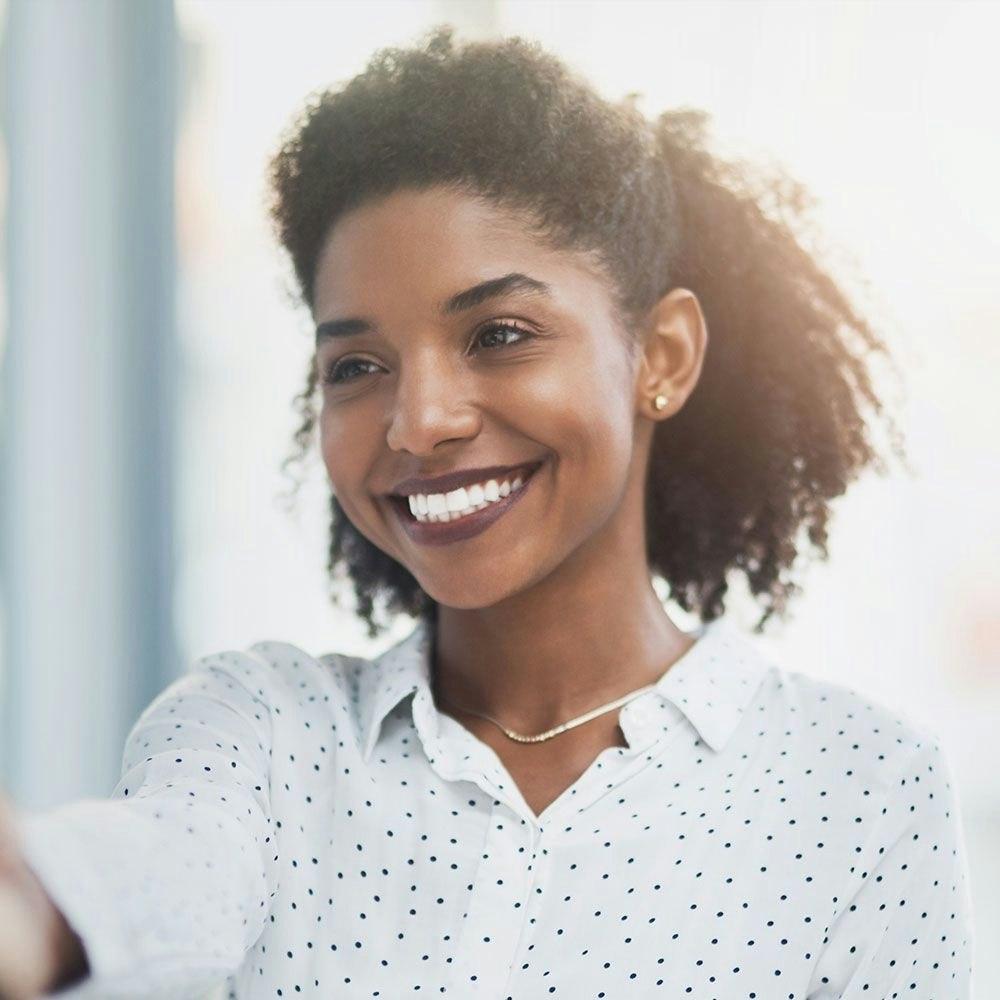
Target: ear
674, 341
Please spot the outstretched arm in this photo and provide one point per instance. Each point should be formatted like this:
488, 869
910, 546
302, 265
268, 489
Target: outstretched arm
168, 883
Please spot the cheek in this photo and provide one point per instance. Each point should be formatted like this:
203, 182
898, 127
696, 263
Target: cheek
330, 446
349, 446
586, 406
345, 446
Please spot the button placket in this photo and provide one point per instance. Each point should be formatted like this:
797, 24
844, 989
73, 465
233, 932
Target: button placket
498, 904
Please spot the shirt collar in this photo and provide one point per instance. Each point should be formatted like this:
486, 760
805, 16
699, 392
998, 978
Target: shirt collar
384, 682
712, 684
715, 681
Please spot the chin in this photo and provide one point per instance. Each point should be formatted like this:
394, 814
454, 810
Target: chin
467, 598
468, 592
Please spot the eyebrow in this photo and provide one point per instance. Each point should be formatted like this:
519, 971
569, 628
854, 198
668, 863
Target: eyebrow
508, 284
514, 283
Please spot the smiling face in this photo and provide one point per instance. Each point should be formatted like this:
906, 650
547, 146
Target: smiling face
451, 340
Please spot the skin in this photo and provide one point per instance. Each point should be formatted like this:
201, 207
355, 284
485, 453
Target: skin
555, 598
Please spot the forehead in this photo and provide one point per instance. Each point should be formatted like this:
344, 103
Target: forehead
424, 245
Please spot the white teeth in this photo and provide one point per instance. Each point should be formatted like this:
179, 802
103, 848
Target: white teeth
442, 507
458, 499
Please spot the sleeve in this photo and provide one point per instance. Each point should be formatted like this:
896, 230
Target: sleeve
905, 926
168, 882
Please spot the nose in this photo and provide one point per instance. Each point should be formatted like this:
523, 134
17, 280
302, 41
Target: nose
432, 405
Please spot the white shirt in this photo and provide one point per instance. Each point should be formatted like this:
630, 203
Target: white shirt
314, 827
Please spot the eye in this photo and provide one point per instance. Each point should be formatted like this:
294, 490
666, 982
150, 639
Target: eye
490, 337
343, 370
499, 334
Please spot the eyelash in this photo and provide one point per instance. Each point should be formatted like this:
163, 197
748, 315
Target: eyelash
333, 373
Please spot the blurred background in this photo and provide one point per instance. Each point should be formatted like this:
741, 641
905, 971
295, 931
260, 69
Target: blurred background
150, 343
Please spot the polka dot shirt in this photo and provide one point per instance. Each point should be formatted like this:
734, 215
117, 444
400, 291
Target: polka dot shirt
294, 826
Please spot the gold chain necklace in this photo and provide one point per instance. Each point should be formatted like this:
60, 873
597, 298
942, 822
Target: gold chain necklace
563, 726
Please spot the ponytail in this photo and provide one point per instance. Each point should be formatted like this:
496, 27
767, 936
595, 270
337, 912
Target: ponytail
742, 478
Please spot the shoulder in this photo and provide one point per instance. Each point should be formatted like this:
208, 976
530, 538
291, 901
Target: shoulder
284, 668
287, 667
838, 730
275, 673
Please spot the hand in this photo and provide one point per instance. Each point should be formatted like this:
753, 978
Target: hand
38, 949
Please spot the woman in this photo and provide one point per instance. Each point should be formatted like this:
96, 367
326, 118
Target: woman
560, 350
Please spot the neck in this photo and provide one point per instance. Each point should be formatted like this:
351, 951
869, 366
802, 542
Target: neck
587, 634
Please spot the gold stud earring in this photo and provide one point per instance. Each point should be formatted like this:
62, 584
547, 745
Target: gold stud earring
661, 401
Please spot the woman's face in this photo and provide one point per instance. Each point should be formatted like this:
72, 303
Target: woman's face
453, 342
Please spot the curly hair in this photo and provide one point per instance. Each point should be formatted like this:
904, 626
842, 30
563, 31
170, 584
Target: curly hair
781, 420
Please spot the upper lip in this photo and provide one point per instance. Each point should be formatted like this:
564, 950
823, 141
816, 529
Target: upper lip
461, 477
